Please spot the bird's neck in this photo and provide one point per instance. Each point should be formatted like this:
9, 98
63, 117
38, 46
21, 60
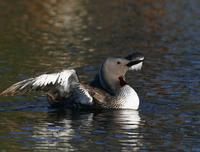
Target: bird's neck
122, 81
110, 82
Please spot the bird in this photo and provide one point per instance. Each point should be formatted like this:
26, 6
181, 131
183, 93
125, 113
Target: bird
108, 90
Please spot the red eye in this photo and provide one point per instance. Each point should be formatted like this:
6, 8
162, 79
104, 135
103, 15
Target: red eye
118, 62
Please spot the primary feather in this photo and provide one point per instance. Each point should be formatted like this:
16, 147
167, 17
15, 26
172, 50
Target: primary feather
62, 80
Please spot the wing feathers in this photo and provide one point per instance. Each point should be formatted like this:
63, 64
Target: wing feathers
60, 81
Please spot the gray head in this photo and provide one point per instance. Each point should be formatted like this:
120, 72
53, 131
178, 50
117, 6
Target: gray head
111, 76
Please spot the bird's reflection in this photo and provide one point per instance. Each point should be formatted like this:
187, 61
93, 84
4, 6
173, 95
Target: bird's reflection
75, 130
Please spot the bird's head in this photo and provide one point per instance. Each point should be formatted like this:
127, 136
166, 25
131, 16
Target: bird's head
113, 70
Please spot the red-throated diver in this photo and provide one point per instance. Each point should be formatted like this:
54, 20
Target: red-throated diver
109, 89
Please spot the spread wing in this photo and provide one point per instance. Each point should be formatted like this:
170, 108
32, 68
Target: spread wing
60, 83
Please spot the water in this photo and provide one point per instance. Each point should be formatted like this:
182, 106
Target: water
49, 35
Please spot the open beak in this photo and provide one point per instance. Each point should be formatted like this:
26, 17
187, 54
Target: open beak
131, 63
135, 61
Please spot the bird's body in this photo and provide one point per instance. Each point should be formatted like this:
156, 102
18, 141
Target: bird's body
109, 90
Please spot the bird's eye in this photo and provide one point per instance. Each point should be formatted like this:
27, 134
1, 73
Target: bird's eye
118, 62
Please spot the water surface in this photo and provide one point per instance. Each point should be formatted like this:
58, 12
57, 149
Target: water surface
49, 35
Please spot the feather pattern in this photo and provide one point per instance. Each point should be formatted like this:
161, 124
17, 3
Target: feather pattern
126, 98
61, 81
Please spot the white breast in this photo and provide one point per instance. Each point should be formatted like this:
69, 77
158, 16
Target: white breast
128, 98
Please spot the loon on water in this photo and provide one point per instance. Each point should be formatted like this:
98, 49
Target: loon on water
108, 90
